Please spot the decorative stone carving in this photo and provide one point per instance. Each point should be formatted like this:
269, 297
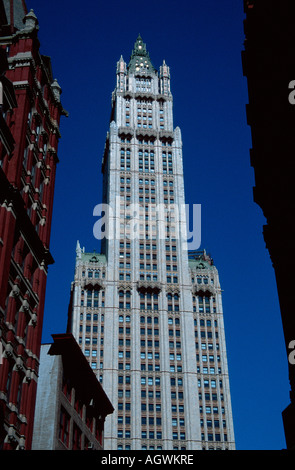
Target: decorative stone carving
146, 286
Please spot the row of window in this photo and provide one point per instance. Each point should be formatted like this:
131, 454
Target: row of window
211, 409
213, 437
151, 421
143, 84
92, 303
208, 358
208, 346
89, 317
150, 380
93, 274
149, 331
146, 161
210, 396
206, 309
145, 122
208, 370
90, 339
202, 280
89, 329
207, 334
144, 435
206, 322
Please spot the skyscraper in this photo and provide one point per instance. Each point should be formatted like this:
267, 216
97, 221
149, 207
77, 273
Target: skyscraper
148, 316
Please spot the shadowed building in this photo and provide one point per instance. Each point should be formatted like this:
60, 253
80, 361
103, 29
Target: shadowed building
268, 64
71, 405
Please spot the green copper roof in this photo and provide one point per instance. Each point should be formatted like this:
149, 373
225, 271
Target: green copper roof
200, 260
199, 264
93, 258
140, 59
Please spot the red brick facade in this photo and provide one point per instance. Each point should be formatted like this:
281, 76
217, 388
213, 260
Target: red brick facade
28, 158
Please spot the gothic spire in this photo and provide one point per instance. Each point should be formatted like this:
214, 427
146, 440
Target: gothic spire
140, 59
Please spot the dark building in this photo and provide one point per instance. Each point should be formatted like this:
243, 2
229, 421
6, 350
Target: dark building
269, 65
29, 135
71, 405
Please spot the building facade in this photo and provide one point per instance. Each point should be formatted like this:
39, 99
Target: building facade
30, 119
151, 331
71, 405
271, 117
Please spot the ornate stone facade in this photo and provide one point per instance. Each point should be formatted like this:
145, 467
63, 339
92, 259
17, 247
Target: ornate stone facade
160, 357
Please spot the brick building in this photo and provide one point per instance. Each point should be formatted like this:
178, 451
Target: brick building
30, 118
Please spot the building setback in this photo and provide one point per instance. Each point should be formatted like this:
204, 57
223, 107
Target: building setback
147, 316
30, 119
71, 405
268, 64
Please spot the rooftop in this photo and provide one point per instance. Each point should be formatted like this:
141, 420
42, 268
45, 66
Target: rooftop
140, 59
89, 257
200, 260
82, 376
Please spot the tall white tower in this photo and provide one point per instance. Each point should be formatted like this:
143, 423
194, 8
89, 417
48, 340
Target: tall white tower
148, 316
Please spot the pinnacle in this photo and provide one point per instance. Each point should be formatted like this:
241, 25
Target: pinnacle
138, 53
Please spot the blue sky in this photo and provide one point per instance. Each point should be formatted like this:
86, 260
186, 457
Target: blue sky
202, 43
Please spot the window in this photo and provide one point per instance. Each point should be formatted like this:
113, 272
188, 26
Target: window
64, 427
77, 435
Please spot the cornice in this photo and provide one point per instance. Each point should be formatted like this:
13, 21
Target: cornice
158, 135
199, 289
125, 285
152, 96
146, 286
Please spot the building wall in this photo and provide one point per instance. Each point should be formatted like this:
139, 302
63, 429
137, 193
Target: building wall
27, 178
271, 156
213, 376
146, 350
48, 401
71, 405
